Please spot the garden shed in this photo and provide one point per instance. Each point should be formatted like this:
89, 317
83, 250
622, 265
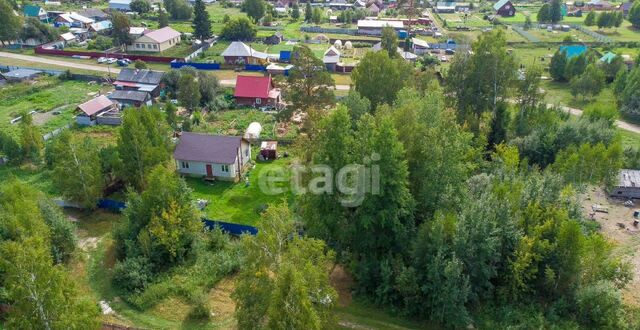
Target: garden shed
269, 149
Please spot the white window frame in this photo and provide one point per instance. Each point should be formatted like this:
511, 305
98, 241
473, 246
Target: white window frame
258, 100
224, 168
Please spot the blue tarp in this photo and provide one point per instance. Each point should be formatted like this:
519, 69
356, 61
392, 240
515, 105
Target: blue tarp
573, 50
199, 66
285, 56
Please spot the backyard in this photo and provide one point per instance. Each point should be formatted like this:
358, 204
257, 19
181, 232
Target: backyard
44, 95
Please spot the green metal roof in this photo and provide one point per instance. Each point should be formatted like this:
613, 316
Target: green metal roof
608, 57
31, 11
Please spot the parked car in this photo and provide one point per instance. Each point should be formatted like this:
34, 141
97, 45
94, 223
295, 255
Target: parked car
123, 62
111, 60
449, 51
444, 59
102, 60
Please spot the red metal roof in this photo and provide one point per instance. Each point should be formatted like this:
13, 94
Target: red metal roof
249, 86
95, 105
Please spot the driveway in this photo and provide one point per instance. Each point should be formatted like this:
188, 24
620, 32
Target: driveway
67, 64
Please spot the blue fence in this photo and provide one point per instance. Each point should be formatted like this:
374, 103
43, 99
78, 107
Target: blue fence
199, 66
251, 67
230, 228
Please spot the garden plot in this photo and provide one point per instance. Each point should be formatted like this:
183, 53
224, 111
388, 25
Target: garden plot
43, 95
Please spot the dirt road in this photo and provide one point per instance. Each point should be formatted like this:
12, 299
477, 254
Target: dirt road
102, 68
67, 64
621, 124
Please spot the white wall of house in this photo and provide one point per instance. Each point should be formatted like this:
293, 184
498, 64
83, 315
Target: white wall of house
146, 44
200, 169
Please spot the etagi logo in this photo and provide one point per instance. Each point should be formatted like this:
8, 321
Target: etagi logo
352, 182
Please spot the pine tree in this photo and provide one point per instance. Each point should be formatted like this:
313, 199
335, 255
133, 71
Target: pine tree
295, 12
163, 19
308, 12
201, 22
558, 65
590, 20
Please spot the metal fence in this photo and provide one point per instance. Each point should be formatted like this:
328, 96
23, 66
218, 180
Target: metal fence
317, 29
599, 37
227, 227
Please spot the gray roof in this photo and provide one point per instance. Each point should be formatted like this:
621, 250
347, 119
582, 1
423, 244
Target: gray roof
629, 179
93, 12
207, 148
140, 76
129, 95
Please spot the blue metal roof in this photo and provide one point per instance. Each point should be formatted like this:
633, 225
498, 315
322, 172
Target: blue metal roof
573, 50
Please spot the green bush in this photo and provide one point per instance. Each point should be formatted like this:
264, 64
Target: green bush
132, 275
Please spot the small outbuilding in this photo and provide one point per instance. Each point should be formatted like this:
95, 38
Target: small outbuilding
88, 112
628, 184
269, 150
504, 8
130, 98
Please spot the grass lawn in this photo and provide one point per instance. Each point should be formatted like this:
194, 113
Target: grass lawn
34, 176
237, 203
624, 33
559, 36
630, 139
359, 315
45, 94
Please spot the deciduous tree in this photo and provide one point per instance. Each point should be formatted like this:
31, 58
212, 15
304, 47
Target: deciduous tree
379, 78
284, 281
77, 169
310, 84
10, 24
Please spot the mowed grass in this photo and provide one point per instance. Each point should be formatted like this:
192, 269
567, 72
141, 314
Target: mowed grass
239, 203
44, 95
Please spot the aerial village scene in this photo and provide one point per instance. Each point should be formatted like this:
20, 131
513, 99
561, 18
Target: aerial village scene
319, 164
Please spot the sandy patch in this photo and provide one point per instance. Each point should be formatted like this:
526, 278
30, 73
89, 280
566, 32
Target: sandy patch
617, 225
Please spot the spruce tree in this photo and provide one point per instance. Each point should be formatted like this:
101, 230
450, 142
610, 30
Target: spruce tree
201, 22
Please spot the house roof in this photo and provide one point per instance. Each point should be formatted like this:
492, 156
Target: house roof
573, 50
102, 25
207, 148
138, 30
93, 12
140, 76
135, 96
331, 55
68, 36
370, 23
420, 43
250, 86
240, 49
95, 105
409, 56
629, 178
608, 57
31, 11
499, 4
162, 35
120, 2
74, 17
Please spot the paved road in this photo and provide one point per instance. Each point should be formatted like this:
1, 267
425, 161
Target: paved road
103, 68
68, 64
621, 124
